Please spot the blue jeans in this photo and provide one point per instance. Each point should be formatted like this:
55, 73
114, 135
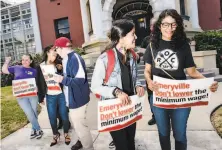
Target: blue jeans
29, 106
178, 118
54, 101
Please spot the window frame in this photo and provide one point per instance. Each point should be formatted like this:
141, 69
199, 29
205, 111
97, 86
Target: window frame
56, 21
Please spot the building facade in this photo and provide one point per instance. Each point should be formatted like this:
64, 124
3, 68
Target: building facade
60, 18
210, 14
97, 17
18, 28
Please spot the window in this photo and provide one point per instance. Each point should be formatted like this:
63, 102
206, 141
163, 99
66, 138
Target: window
62, 28
89, 18
220, 10
23, 12
27, 23
183, 9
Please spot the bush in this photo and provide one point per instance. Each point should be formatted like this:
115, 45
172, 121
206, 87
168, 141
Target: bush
79, 51
210, 40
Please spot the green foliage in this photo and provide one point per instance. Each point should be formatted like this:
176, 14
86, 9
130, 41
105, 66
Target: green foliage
37, 58
79, 51
210, 40
12, 116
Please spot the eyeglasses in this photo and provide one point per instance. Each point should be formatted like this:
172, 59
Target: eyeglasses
167, 25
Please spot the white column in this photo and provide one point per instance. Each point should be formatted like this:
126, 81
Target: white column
194, 17
160, 5
35, 21
107, 15
96, 15
85, 22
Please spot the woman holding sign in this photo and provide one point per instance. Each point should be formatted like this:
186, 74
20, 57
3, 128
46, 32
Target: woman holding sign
115, 76
168, 55
28, 104
53, 93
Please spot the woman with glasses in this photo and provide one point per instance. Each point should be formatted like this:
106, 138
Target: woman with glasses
52, 91
171, 53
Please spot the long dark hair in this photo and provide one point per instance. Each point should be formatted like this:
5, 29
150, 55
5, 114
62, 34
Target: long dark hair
179, 37
120, 28
46, 50
58, 59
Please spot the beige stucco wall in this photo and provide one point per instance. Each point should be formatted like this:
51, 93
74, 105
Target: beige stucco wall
205, 59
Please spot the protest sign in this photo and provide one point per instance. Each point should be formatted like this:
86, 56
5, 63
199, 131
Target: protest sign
24, 87
174, 94
112, 115
48, 72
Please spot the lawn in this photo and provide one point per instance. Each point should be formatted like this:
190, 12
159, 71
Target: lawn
12, 116
216, 119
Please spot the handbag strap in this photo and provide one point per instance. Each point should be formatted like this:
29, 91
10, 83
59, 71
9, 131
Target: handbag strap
155, 64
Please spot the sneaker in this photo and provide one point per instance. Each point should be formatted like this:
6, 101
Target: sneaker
33, 134
111, 145
39, 134
77, 146
152, 121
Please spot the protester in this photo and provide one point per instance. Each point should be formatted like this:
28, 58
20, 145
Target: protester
168, 37
144, 44
76, 89
28, 104
52, 91
123, 81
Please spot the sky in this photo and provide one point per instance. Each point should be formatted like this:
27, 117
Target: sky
16, 1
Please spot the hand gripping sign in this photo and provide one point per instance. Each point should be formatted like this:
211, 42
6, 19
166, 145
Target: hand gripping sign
24, 87
112, 115
174, 94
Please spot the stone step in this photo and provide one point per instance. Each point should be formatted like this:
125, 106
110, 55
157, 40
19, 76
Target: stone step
140, 70
141, 75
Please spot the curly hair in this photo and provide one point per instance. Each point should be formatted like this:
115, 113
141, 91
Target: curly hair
179, 37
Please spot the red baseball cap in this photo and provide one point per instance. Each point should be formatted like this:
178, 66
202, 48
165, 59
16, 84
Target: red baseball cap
62, 42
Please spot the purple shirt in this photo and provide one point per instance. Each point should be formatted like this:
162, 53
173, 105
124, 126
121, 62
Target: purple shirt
21, 72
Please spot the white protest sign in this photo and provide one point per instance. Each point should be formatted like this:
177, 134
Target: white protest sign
174, 94
24, 87
48, 72
112, 115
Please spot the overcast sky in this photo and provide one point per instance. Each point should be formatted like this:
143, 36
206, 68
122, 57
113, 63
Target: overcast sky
16, 1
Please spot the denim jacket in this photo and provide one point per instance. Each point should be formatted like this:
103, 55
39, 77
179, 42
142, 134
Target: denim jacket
106, 90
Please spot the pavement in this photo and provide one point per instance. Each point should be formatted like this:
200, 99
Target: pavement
200, 133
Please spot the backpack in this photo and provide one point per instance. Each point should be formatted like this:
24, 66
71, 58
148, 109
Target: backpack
111, 64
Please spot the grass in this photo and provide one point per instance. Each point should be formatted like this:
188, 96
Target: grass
12, 116
216, 120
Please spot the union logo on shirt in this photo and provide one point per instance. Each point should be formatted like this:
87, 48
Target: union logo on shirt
167, 60
29, 72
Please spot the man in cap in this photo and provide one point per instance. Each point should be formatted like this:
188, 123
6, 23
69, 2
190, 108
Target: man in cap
76, 90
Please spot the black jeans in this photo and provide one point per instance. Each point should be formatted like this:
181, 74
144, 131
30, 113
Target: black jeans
124, 138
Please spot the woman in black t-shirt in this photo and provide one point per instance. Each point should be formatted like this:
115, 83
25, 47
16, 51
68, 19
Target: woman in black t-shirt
172, 55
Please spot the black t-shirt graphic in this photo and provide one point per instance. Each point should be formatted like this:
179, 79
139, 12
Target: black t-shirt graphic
173, 61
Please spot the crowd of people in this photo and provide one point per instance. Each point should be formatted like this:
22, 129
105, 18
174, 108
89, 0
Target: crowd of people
68, 97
